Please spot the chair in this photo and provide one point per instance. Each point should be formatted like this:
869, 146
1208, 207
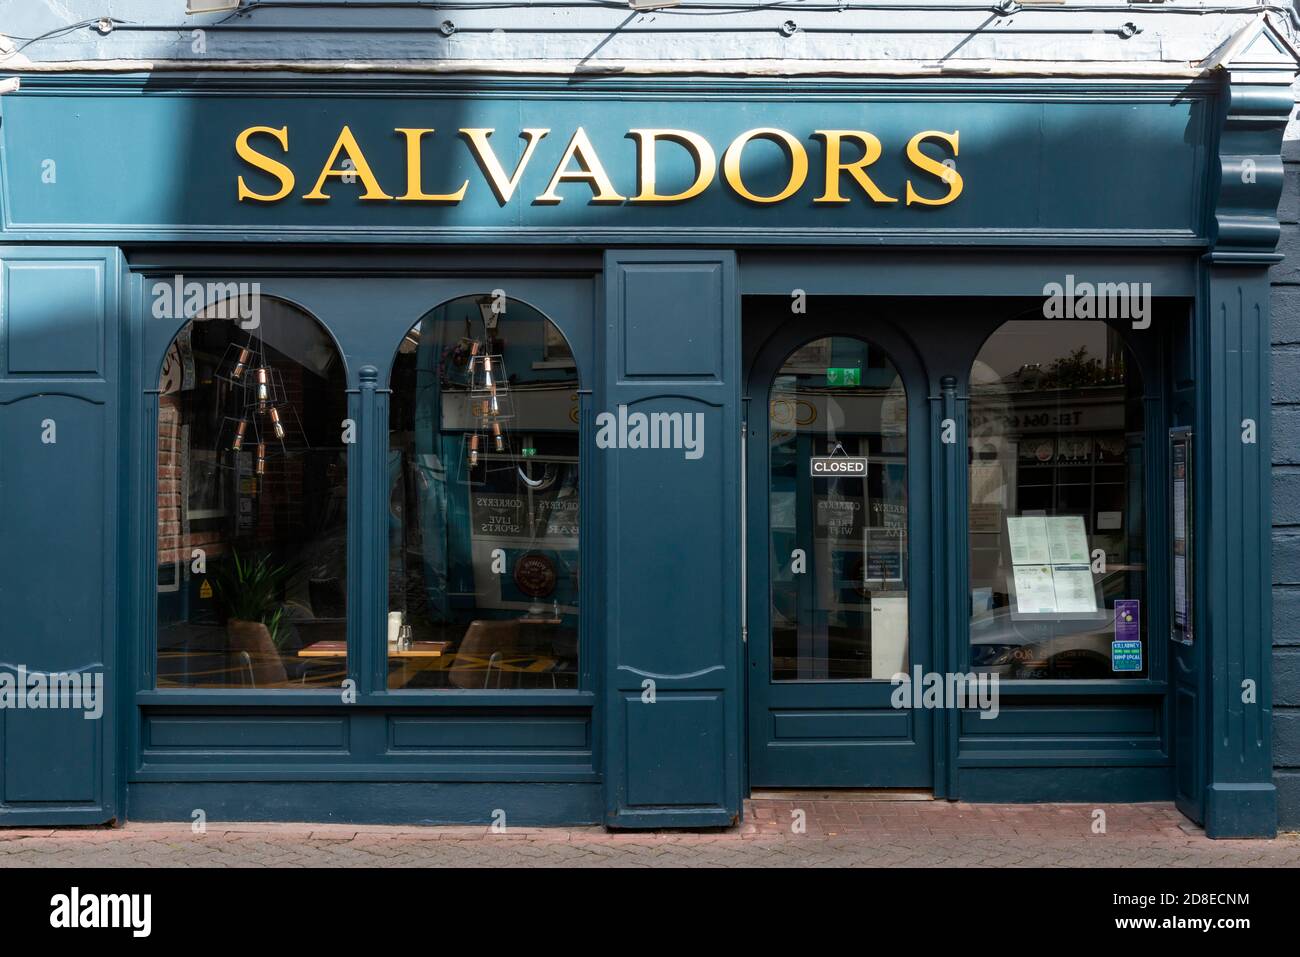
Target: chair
480, 651
259, 661
499, 647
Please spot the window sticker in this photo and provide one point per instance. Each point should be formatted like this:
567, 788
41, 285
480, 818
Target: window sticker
1126, 649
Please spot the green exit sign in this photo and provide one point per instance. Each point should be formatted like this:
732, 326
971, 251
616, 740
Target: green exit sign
836, 376
529, 452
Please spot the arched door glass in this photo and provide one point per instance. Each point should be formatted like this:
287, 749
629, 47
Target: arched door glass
838, 494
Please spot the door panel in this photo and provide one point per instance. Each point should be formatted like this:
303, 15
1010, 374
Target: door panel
671, 347
838, 589
58, 545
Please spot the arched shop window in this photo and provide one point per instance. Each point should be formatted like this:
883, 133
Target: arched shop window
483, 501
842, 612
1057, 511
252, 503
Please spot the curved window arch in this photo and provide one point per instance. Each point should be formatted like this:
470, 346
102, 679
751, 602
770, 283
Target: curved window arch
252, 501
1057, 519
483, 500
844, 614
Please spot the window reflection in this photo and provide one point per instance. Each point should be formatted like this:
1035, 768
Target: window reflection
1057, 550
483, 523
839, 539
252, 504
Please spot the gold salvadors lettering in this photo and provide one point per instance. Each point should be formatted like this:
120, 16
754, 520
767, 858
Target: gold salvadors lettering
701, 154
258, 161
347, 143
581, 164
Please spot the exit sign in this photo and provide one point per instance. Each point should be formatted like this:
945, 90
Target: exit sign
842, 376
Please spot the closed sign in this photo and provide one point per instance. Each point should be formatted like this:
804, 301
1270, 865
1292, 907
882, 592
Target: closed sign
841, 465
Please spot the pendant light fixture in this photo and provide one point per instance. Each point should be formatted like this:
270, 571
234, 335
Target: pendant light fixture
263, 424
489, 447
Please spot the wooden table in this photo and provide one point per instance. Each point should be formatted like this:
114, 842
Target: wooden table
324, 649
339, 649
418, 657
420, 649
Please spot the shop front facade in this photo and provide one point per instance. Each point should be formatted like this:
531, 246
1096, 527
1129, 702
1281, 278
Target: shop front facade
409, 448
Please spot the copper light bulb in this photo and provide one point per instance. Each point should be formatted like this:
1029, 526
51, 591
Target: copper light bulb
473, 451
240, 364
263, 389
261, 458
498, 442
238, 443
276, 424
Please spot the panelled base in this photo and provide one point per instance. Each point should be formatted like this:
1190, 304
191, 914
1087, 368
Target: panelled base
334, 802
1091, 785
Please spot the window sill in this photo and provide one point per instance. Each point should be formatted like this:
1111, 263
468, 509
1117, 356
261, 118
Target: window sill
1034, 687
330, 698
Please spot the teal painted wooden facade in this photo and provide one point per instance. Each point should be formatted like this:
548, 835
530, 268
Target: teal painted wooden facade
671, 556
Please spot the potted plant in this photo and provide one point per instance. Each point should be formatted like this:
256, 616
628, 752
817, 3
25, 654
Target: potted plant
249, 591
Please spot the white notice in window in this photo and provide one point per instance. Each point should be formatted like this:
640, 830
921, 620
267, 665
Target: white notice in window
1074, 589
1035, 592
1068, 540
1027, 537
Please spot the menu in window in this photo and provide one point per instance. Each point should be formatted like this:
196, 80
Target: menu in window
1027, 536
1067, 540
1074, 589
1035, 590
1050, 565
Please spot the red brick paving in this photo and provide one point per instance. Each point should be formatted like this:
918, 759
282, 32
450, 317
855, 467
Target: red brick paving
835, 833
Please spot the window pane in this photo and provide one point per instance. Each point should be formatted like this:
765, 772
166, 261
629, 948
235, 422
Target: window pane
839, 541
483, 524
252, 504
1057, 521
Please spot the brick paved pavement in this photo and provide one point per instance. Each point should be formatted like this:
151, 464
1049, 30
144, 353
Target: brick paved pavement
838, 833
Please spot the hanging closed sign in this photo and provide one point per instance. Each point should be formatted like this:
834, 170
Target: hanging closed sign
838, 465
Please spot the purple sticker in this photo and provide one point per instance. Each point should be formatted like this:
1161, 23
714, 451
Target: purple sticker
1128, 620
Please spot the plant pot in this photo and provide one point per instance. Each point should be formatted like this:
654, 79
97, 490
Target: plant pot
264, 664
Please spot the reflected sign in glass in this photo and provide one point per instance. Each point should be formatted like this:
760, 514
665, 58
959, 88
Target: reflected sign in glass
843, 376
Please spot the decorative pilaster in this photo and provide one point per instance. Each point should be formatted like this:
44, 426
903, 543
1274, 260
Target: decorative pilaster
1232, 466
949, 548
367, 533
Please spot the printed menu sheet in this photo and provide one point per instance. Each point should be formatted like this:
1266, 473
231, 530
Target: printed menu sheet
1074, 588
1067, 539
1027, 536
1035, 592
1050, 565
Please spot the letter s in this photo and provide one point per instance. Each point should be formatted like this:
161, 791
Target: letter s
945, 174
264, 163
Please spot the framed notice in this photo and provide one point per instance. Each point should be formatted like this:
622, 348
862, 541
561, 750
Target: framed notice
1182, 544
1050, 576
